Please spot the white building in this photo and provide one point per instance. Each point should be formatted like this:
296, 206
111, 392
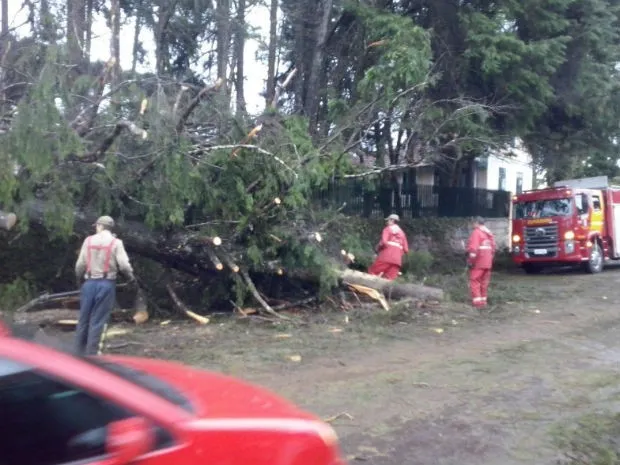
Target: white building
506, 170
483, 186
509, 169
500, 170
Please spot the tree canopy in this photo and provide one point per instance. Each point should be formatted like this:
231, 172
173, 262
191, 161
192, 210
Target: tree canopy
400, 82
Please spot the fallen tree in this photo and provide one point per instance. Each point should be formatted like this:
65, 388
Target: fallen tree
191, 190
198, 255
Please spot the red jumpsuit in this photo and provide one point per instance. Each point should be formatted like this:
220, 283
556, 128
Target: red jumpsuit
480, 250
392, 247
4, 330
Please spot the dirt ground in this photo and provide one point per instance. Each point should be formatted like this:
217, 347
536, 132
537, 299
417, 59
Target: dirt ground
446, 385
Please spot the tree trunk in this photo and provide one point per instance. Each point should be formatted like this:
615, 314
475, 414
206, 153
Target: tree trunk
273, 47
223, 37
136, 38
5, 47
392, 289
76, 15
89, 29
316, 69
115, 41
299, 28
164, 13
239, 57
5, 17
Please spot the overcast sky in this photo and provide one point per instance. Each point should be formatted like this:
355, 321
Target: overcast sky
256, 72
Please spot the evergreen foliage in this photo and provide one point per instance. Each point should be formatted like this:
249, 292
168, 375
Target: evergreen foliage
401, 82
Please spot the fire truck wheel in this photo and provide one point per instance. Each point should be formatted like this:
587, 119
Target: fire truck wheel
595, 263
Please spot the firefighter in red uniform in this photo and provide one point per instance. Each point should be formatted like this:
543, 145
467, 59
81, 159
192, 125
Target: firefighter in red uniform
480, 252
391, 248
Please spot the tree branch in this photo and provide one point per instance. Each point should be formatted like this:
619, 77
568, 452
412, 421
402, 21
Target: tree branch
236, 147
95, 155
203, 320
81, 123
195, 101
252, 288
387, 169
281, 87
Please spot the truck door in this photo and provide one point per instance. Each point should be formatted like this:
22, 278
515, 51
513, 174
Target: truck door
597, 213
583, 209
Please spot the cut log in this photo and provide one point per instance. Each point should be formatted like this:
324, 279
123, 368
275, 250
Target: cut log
392, 289
52, 316
7, 220
215, 260
44, 317
64, 324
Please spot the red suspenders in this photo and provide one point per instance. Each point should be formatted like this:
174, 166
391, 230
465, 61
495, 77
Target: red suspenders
108, 255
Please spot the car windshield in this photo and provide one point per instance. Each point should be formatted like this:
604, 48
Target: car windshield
542, 208
140, 378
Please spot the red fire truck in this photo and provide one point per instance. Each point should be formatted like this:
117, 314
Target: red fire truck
575, 222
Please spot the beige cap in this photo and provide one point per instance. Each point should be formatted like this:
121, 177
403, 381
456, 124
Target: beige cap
394, 217
105, 221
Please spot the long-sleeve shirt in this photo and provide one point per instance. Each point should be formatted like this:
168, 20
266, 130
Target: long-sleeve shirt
95, 251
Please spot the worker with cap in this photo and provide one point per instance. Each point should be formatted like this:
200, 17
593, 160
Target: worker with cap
391, 248
101, 258
480, 253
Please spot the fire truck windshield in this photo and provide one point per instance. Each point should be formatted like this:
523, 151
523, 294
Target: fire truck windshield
542, 208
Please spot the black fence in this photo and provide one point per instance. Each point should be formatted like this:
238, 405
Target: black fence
355, 197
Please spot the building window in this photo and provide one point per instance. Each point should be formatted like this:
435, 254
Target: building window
502, 179
519, 188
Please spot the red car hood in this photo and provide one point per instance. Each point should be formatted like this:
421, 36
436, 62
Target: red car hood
214, 395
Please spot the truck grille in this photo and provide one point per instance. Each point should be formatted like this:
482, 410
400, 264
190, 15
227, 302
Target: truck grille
541, 241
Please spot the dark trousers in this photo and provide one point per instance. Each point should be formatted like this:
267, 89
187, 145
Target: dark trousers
97, 300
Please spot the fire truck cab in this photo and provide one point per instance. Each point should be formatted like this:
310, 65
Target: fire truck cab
575, 222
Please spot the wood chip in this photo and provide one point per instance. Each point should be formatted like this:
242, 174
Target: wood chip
113, 332
337, 416
372, 293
